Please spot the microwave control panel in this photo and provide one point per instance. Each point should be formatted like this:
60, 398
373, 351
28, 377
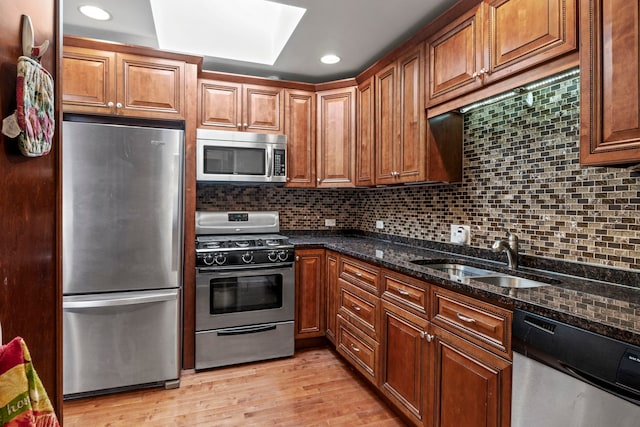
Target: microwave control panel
279, 163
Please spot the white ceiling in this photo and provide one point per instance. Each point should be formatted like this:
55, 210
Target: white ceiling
359, 31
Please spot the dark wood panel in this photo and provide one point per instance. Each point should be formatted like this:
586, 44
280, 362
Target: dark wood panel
331, 279
30, 295
310, 306
300, 128
189, 279
365, 138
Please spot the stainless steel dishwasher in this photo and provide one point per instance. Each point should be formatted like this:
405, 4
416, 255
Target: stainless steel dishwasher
568, 377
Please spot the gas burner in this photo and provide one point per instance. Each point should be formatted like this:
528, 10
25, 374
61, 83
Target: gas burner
272, 242
211, 245
242, 243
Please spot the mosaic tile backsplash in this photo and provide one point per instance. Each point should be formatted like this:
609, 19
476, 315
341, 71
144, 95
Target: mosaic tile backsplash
521, 173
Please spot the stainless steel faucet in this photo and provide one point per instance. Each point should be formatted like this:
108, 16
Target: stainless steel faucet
510, 246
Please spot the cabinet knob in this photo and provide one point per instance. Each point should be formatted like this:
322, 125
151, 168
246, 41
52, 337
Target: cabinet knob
297, 257
426, 336
118, 105
110, 104
318, 179
354, 348
239, 125
246, 125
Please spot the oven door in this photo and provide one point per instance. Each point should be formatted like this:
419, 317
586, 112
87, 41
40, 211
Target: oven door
241, 296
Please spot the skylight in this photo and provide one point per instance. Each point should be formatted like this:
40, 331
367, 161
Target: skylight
243, 30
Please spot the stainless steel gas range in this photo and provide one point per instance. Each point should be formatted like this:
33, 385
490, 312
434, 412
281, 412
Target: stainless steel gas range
244, 288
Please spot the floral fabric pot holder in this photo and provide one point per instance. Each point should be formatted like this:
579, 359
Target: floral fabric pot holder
33, 122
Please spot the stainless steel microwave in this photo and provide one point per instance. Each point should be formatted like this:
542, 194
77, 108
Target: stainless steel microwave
243, 157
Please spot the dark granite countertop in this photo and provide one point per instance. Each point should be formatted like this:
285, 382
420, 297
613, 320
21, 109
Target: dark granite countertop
598, 306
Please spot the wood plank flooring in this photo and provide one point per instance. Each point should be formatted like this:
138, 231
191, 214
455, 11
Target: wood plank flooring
313, 388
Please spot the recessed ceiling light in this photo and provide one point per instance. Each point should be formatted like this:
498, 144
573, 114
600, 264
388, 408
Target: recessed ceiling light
330, 59
248, 30
94, 12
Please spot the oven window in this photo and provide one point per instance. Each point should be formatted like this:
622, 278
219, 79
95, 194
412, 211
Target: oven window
237, 294
234, 161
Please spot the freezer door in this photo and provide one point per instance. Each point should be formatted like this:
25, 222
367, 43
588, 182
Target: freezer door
121, 207
120, 340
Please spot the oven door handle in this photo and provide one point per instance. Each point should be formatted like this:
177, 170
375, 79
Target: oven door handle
244, 267
246, 330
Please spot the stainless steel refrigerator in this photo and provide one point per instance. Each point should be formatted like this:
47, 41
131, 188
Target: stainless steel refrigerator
122, 234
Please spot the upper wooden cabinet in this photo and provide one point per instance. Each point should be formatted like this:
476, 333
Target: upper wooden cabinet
240, 107
300, 113
365, 138
495, 40
110, 83
336, 137
400, 120
609, 88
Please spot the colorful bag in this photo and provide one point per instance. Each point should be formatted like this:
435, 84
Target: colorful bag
23, 399
34, 120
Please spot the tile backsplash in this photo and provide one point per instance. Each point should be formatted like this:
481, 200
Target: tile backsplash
521, 173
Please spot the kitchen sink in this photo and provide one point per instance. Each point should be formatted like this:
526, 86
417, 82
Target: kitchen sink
510, 282
462, 273
461, 270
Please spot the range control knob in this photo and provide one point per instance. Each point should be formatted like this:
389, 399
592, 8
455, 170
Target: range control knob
273, 256
220, 259
207, 259
283, 255
247, 257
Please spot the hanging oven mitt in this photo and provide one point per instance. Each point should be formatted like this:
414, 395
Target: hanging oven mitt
33, 121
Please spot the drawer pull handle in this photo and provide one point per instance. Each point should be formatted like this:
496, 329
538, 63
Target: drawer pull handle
355, 307
465, 318
354, 348
402, 292
358, 274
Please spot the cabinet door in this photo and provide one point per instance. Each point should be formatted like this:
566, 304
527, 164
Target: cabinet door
219, 105
386, 132
336, 137
522, 33
300, 110
310, 312
609, 88
472, 387
411, 145
88, 81
405, 360
150, 87
365, 140
331, 279
263, 109
456, 58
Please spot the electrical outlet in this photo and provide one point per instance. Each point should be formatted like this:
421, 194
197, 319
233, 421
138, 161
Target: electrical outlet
329, 222
460, 234
379, 225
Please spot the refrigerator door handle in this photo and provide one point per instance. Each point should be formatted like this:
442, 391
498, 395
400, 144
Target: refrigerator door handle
121, 301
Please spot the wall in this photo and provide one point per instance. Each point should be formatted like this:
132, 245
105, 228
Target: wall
521, 172
29, 290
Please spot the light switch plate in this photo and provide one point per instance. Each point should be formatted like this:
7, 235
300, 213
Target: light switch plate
379, 225
329, 222
460, 234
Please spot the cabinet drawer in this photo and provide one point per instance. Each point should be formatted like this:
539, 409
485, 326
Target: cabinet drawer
360, 274
482, 323
407, 291
359, 307
360, 350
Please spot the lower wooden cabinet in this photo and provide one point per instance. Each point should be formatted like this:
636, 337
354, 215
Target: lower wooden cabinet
331, 280
405, 361
471, 386
362, 351
310, 318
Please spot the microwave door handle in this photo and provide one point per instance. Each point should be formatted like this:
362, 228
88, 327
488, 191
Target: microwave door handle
269, 162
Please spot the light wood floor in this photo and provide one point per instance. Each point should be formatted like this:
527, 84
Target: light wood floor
313, 388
